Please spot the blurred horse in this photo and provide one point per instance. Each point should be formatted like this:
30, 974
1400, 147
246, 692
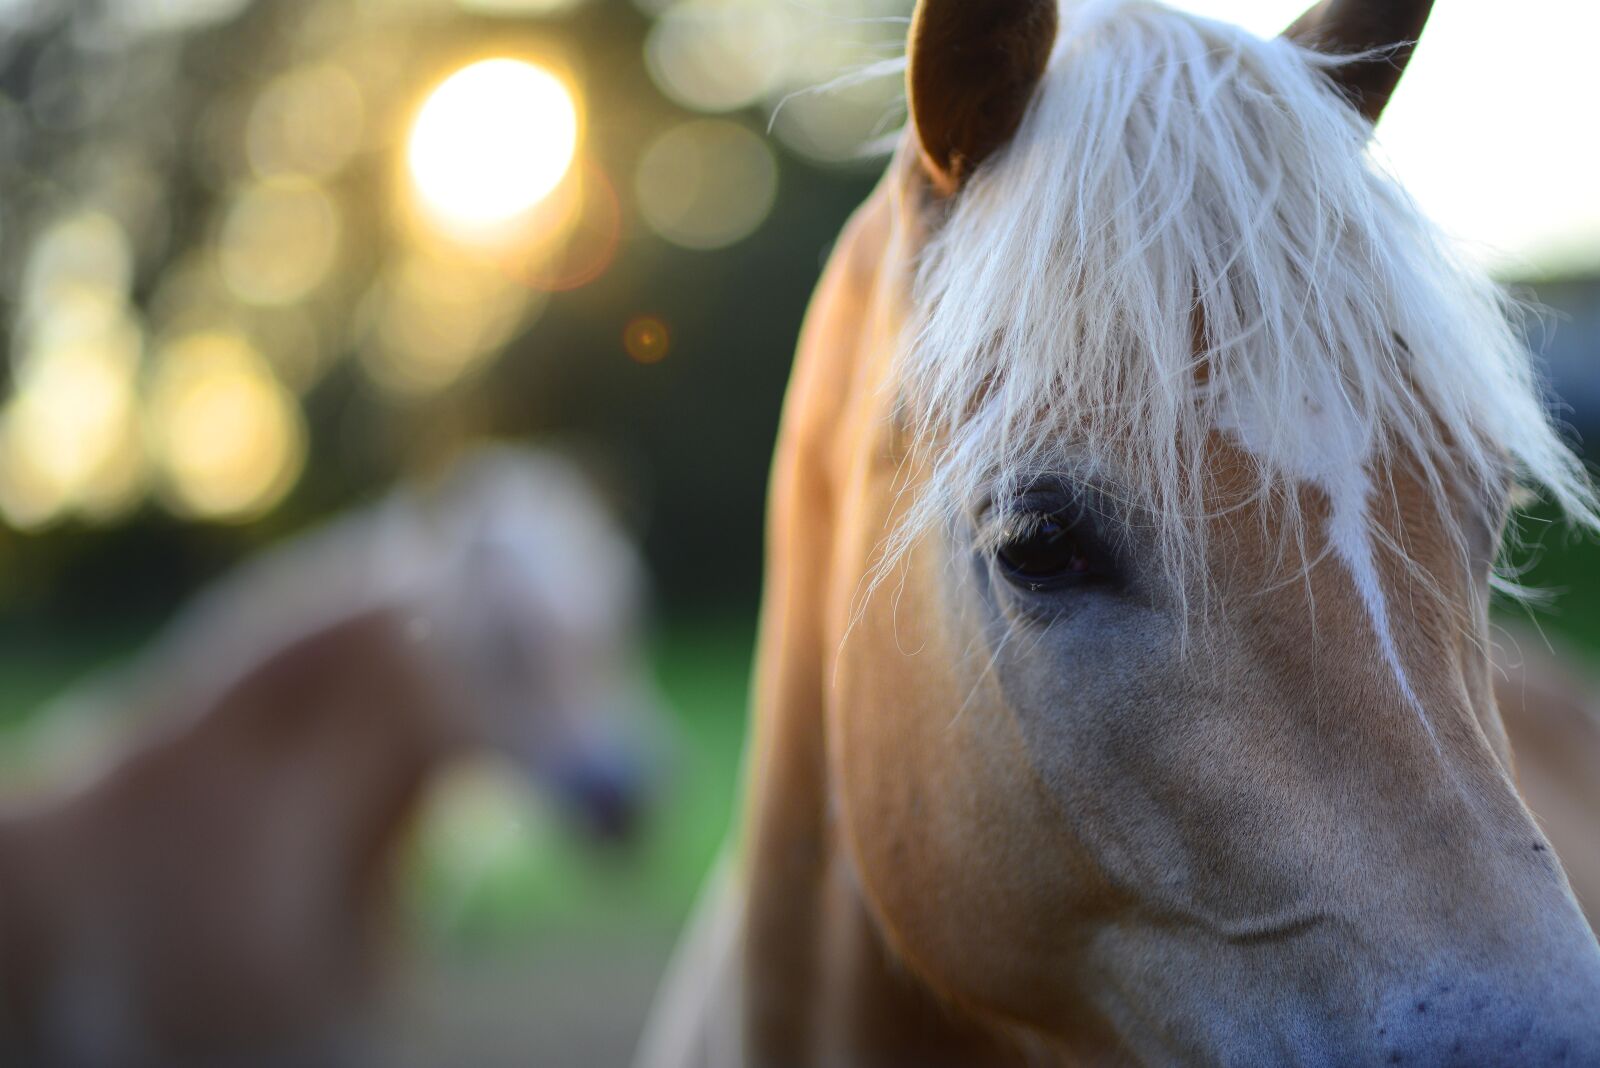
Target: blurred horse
1124, 693
218, 895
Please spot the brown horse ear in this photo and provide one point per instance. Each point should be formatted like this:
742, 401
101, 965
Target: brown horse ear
973, 68
1349, 27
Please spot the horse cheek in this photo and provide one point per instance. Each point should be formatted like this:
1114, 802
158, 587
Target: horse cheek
943, 815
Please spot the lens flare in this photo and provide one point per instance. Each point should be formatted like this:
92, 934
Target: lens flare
647, 339
492, 141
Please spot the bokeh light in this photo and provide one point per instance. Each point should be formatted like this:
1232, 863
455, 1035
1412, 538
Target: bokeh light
308, 122
292, 342
228, 438
69, 441
125, 182
717, 55
434, 317
82, 250
279, 241
492, 141
839, 123
69, 435
707, 184
483, 819
827, 72
85, 317
173, 15
572, 239
29, 498
647, 339
513, 8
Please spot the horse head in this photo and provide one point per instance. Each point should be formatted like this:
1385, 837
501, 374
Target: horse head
1125, 671
536, 610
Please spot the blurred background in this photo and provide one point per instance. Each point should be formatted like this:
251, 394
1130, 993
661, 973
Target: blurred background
259, 259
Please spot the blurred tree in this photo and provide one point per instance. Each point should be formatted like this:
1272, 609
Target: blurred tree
214, 280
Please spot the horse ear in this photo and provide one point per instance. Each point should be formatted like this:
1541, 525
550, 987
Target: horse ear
972, 71
1389, 28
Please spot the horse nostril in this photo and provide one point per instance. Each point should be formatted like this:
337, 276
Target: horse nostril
606, 793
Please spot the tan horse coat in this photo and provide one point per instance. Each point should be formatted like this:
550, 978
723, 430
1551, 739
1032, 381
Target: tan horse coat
926, 880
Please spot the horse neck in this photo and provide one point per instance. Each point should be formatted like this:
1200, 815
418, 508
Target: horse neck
822, 984
323, 750
265, 821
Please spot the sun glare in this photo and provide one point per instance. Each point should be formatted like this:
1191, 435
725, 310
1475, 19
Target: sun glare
492, 141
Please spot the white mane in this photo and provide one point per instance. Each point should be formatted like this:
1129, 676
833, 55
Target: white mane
1187, 235
510, 538
508, 532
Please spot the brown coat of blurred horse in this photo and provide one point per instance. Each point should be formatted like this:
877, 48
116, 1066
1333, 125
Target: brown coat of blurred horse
215, 898
218, 897
1124, 693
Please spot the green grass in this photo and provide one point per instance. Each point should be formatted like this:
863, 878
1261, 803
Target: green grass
492, 862
33, 670
1564, 568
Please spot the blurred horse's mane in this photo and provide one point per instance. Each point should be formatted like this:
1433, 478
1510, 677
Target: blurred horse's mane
496, 511
1188, 236
494, 530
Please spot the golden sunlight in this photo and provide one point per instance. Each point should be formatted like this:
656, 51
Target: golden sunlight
69, 438
229, 438
492, 141
436, 317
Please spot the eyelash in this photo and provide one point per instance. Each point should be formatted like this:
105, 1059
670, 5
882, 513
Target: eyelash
1042, 550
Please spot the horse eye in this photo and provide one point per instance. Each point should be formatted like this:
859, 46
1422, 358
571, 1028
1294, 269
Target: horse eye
1047, 553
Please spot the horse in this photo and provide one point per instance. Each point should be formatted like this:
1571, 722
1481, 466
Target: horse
219, 892
1123, 690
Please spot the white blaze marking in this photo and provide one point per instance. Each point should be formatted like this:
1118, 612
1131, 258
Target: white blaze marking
1349, 534
1330, 448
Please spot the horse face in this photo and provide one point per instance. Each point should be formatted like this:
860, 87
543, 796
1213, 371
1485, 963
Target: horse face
1260, 814
1276, 795
546, 639
1076, 804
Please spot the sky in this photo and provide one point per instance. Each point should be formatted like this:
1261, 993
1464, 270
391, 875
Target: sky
1496, 127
